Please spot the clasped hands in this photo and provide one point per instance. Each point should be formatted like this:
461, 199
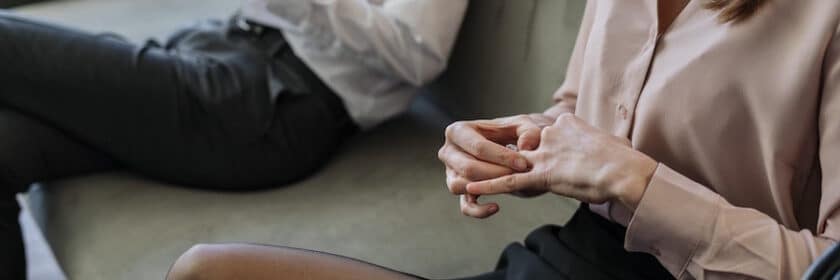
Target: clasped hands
564, 156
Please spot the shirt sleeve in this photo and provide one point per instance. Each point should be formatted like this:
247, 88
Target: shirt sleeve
565, 98
409, 39
696, 233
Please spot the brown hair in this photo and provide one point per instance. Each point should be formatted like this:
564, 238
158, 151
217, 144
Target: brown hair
735, 10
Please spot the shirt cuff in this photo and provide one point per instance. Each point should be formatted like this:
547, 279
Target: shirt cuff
612, 211
672, 219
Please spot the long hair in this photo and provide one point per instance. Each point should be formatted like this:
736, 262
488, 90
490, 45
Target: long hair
735, 10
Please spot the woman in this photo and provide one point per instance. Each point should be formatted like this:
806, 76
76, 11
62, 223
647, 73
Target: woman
732, 111
261, 100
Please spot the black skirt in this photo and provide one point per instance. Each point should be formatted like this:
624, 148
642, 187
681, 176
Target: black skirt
587, 247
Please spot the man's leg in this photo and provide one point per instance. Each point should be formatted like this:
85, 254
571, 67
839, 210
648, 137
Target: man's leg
173, 114
130, 102
29, 152
12, 259
68, 84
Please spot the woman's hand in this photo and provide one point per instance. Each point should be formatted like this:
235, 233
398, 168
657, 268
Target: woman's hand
579, 161
475, 151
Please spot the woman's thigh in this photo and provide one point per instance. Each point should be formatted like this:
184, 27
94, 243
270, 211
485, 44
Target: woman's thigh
255, 262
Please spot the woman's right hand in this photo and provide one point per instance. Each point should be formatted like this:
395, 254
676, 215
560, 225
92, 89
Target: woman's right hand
475, 151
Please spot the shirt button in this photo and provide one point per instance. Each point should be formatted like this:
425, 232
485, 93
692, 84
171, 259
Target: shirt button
622, 111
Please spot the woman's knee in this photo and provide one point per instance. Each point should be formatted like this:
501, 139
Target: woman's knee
198, 263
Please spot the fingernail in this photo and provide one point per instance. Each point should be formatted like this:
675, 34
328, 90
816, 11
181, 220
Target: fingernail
492, 208
520, 164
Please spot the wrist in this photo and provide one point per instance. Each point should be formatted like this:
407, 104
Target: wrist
631, 188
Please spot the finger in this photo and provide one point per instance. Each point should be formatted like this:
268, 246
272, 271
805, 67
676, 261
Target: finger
529, 137
498, 131
455, 183
480, 148
502, 185
471, 207
471, 169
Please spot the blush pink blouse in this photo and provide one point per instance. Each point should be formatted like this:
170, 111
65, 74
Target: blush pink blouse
744, 119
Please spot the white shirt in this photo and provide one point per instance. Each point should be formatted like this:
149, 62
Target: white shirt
375, 54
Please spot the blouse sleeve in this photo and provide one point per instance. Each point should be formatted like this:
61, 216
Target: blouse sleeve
565, 98
696, 233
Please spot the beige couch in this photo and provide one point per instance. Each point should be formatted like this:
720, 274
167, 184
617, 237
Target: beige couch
382, 199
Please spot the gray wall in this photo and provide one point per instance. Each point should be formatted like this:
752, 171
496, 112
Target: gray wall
510, 57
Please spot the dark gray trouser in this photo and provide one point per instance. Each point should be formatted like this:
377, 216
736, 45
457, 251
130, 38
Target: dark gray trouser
198, 112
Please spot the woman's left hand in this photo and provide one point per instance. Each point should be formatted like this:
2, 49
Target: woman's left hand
578, 161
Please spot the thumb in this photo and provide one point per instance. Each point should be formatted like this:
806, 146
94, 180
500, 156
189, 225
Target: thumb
528, 137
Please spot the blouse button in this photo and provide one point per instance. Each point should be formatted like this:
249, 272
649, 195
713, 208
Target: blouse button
622, 111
